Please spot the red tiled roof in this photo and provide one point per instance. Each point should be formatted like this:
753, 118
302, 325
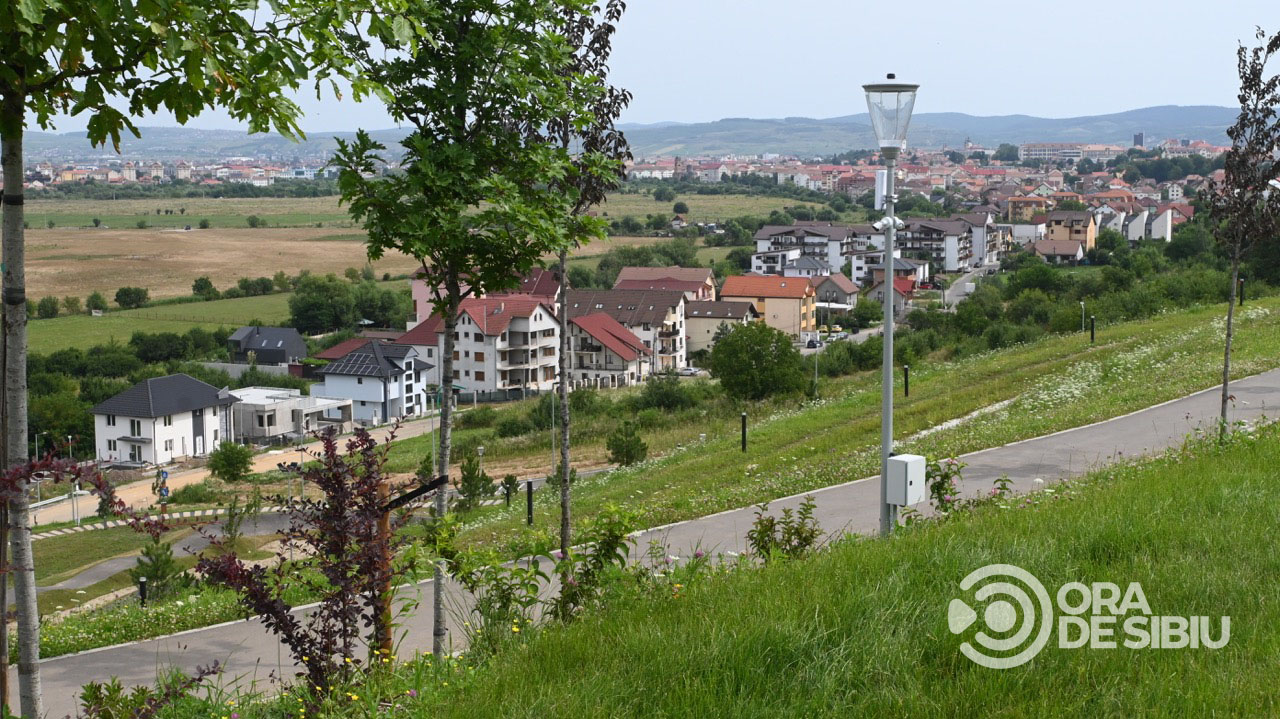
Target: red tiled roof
539, 282
343, 348
610, 333
493, 314
766, 286
425, 332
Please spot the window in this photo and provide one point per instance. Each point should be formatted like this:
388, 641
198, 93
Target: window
111, 420
467, 354
359, 380
361, 403
168, 420
111, 445
479, 356
456, 375
455, 355
214, 409
168, 445
479, 376
135, 427
215, 436
271, 419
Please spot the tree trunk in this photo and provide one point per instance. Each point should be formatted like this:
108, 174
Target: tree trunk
446, 437
1226, 353
564, 408
15, 401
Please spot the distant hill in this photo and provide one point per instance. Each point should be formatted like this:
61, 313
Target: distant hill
806, 136
792, 135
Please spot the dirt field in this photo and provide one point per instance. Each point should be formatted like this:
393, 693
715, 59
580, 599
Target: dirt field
63, 262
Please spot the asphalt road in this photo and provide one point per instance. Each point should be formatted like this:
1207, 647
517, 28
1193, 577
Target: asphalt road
251, 653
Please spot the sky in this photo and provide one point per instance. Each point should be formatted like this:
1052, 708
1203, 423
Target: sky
703, 60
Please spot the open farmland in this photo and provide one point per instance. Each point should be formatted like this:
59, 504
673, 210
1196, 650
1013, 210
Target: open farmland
63, 262
219, 211
702, 208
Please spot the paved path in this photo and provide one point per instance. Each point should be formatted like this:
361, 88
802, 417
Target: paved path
252, 653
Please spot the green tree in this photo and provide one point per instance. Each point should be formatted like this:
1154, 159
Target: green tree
230, 462
480, 197
203, 287
1006, 153
71, 305
867, 312
664, 194
203, 224
1244, 206
680, 208
322, 304
475, 485
254, 221
47, 308
132, 297
755, 360
96, 302
163, 574
625, 445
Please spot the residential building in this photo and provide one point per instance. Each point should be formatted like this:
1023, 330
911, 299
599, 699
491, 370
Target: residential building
943, 243
703, 320
502, 343
835, 292
606, 354
825, 241
540, 283
916, 271
383, 381
805, 266
657, 317
698, 283
1023, 209
1050, 151
772, 262
1079, 226
786, 304
1059, 252
272, 414
267, 345
903, 291
162, 420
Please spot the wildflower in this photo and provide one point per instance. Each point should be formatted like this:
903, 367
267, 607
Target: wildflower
515, 629
412, 692
1037, 480
699, 554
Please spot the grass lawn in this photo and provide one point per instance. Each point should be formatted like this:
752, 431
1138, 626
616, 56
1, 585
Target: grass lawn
861, 630
85, 331
1052, 384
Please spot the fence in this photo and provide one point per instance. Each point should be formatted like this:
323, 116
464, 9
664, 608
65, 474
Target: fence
235, 370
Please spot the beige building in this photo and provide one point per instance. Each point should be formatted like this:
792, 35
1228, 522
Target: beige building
1074, 226
703, 319
787, 304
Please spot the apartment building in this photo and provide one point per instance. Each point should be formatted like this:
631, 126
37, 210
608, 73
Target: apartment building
606, 354
703, 320
697, 283
1079, 226
656, 317
788, 304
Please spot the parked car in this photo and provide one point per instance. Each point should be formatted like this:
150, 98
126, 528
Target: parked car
690, 372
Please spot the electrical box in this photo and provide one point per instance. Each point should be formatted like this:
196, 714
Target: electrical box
906, 480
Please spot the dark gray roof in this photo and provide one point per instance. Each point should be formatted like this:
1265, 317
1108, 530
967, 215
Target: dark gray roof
630, 308
898, 264
810, 263
257, 338
372, 360
946, 227
728, 310
829, 230
162, 396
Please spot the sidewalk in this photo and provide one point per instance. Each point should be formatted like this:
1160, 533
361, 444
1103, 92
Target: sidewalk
251, 654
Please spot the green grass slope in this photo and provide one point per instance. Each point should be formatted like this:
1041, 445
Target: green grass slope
861, 630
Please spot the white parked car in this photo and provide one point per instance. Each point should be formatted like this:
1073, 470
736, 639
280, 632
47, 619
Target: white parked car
690, 372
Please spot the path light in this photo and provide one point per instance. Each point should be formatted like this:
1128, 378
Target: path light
890, 104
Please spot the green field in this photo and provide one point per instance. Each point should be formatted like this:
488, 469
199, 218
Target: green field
702, 208
84, 331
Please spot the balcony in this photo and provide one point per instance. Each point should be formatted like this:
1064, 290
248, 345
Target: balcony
669, 333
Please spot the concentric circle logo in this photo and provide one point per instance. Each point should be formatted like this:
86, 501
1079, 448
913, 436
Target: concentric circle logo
1014, 608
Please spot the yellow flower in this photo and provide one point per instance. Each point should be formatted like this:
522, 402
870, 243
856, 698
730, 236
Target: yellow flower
515, 629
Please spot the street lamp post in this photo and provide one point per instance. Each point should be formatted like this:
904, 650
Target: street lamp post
890, 104
1082, 315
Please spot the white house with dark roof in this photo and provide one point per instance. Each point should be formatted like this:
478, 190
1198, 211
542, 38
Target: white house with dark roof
655, 316
383, 381
162, 420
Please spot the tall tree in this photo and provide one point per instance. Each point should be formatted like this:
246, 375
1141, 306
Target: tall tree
1245, 206
478, 195
82, 57
599, 165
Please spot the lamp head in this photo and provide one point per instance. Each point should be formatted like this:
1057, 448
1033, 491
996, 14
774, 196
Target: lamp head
890, 104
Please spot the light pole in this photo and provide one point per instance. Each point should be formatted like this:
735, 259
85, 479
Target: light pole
1082, 315
480, 456
889, 104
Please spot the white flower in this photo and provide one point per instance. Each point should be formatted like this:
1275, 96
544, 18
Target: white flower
1037, 480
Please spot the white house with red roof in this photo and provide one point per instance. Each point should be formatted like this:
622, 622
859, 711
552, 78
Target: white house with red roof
605, 353
503, 342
